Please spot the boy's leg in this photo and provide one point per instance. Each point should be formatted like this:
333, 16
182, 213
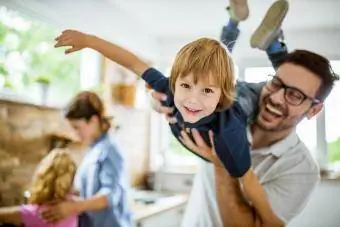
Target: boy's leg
269, 37
238, 11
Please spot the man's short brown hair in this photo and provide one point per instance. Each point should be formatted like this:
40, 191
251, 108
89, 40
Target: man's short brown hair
318, 65
207, 59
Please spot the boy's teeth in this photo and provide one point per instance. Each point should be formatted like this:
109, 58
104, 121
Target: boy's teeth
191, 109
274, 110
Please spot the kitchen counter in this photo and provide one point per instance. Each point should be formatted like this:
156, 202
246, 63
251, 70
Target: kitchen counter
143, 211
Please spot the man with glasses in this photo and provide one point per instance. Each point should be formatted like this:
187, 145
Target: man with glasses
281, 161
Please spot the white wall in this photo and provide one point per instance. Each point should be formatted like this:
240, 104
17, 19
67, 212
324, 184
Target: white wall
322, 41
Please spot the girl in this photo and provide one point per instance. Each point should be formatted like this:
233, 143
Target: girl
52, 181
100, 178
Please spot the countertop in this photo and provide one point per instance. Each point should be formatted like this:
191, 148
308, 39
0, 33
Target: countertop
141, 211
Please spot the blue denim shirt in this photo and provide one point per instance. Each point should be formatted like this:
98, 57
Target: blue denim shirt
102, 172
229, 126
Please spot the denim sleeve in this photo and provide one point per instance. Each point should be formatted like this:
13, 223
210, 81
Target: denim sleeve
248, 96
109, 176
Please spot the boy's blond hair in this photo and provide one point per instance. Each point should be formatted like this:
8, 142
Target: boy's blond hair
209, 60
53, 178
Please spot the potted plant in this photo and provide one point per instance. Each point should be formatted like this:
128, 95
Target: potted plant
44, 82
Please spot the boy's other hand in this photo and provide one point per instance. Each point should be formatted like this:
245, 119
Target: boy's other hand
157, 98
75, 40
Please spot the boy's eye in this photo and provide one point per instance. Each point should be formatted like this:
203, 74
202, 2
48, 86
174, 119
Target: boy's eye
208, 90
185, 85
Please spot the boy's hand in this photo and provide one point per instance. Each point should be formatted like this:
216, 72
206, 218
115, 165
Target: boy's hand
73, 39
157, 99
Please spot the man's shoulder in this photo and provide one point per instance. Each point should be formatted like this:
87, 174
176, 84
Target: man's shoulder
299, 160
308, 162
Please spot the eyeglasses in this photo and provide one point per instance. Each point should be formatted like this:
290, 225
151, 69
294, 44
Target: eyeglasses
292, 95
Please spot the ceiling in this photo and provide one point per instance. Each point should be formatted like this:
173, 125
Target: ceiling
175, 18
156, 29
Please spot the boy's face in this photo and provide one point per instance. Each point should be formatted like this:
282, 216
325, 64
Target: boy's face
196, 100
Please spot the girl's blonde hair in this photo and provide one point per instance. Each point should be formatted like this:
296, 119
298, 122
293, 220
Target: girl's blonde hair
208, 60
53, 178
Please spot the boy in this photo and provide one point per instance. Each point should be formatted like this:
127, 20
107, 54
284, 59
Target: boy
201, 87
202, 84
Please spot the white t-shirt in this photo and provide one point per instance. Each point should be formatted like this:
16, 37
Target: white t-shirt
285, 169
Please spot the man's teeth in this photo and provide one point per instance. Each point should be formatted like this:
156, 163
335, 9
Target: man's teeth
274, 110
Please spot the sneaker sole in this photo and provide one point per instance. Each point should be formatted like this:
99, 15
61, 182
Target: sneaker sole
240, 8
269, 26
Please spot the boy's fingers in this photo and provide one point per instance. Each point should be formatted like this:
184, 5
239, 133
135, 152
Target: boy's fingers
171, 120
159, 96
73, 49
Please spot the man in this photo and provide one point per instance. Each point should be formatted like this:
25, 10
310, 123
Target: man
283, 164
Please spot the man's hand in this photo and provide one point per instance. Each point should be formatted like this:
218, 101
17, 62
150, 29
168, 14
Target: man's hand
158, 107
198, 146
73, 39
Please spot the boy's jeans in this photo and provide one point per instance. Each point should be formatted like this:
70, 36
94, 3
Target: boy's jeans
229, 36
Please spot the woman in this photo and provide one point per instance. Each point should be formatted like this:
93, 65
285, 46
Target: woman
100, 178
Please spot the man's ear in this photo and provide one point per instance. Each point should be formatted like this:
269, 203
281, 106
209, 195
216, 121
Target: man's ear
314, 110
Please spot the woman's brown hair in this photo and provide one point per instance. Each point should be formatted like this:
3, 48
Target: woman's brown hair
86, 105
53, 178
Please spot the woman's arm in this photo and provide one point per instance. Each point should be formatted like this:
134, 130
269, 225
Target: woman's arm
10, 215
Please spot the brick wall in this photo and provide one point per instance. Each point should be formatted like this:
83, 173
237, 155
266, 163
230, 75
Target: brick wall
26, 135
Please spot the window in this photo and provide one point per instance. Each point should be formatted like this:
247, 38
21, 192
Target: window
258, 74
29, 64
332, 112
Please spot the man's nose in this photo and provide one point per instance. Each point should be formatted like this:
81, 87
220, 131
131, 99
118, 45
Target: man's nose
278, 97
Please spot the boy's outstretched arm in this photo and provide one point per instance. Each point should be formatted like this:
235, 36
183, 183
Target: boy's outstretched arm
76, 40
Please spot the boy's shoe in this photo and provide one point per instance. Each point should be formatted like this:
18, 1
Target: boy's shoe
270, 27
238, 10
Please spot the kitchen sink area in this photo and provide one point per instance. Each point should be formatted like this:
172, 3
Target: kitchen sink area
150, 197
150, 208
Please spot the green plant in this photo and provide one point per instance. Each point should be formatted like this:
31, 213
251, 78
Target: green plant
43, 80
3, 70
9, 85
31, 43
334, 151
